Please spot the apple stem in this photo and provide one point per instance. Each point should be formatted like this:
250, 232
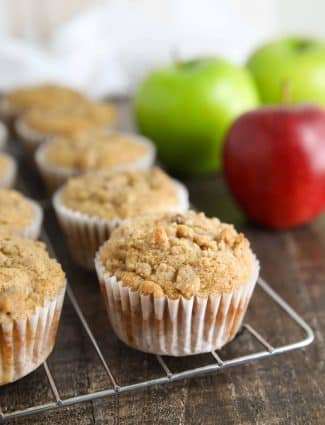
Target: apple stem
286, 92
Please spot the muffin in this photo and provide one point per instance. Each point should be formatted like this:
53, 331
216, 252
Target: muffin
91, 206
176, 284
44, 96
67, 156
19, 215
8, 171
3, 135
32, 287
37, 125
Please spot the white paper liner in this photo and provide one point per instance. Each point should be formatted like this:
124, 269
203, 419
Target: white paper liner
33, 230
31, 139
25, 344
9, 178
55, 176
174, 327
85, 234
3, 135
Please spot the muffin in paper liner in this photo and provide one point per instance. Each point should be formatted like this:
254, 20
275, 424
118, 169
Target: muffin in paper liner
8, 180
55, 176
33, 138
85, 234
41, 96
171, 327
26, 343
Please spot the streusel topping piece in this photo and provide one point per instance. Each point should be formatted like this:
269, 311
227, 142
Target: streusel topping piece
67, 120
178, 255
28, 277
94, 149
16, 211
121, 195
42, 96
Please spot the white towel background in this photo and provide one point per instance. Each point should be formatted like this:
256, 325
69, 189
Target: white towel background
104, 46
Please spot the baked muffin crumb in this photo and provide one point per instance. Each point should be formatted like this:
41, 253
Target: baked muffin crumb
42, 96
16, 212
178, 255
108, 195
28, 277
93, 150
67, 120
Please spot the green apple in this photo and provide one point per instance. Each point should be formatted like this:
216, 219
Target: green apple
187, 108
296, 62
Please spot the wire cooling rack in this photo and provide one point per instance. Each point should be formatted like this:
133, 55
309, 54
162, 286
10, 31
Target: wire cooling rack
167, 375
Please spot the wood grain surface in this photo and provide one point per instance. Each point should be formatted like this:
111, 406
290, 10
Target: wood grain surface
287, 389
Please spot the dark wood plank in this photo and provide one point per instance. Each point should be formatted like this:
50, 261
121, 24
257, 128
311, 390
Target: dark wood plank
284, 390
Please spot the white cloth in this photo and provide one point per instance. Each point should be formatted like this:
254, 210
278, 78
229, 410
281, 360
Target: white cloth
108, 45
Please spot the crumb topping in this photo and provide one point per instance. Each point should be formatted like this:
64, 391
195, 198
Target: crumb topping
28, 277
4, 164
16, 212
43, 96
123, 194
178, 255
94, 149
67, 120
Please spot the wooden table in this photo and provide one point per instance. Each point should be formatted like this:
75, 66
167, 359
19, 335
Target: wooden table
287, 389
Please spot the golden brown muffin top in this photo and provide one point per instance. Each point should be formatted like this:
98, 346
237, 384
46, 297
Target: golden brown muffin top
4, 164
28, 277
107, 195
43, 96
16, 212
67, 120
95, 149
178, 255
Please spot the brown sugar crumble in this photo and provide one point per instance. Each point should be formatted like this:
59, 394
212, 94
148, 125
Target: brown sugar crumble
66, 120
121, 195
43, 96
16, 212
94, 149
28, 277
178, 255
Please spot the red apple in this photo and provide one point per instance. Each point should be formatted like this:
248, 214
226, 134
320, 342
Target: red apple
274, 163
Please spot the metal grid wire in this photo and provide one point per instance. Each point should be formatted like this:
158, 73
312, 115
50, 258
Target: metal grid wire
167, 375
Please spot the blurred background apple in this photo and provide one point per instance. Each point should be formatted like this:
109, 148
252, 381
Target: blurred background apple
187, 108
298, 63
